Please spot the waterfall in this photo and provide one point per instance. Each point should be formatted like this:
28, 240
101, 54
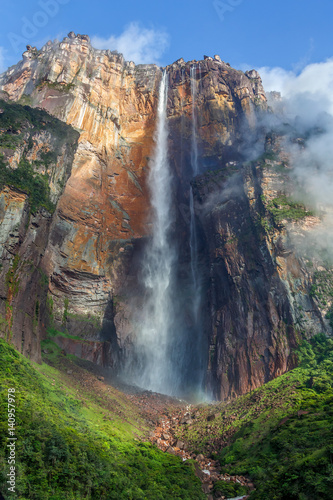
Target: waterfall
169, 353
193, 230
194, 148
155, 338
197, 333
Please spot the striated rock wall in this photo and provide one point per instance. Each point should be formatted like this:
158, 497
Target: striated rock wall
103, 212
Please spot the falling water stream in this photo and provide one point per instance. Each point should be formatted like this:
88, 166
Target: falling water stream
155, 338
169, 350
196, 292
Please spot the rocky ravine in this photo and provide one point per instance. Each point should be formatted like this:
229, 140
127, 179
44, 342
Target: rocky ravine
255, 284
207, 469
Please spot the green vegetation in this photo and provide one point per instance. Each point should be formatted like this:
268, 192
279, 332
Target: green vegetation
284, 207
19, 125
34, 184
322, 287
53, 332
329, 316
293, 458
62, 87
281, 435
16, 117
79, 442
263, 224
12, 280
65, 314
85, 318
44, 279
269, 155
229, 489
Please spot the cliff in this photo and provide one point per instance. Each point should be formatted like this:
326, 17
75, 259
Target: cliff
36, 159
259, 279
90, 248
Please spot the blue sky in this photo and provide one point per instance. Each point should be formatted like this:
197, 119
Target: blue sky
286, 33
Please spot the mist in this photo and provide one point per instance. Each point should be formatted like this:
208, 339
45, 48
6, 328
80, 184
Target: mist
306, 106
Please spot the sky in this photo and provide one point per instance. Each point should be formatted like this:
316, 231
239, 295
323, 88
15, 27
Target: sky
288, 34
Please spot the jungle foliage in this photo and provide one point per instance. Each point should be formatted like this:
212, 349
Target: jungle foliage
69, 448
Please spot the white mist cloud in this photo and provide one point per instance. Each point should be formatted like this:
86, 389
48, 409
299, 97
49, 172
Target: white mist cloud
136, 43
315, 80
307, 103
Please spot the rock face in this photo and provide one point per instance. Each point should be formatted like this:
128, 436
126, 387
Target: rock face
90, 248
103, 208
40, 151
258, 287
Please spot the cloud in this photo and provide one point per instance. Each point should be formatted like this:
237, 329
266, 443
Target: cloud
307, 104
315, 80
136, 43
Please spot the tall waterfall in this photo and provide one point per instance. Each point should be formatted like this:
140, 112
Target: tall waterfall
193, 229
155, 337
194, 148
169, 354
197, 331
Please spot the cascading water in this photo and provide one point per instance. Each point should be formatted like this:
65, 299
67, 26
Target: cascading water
194, 148
193, 232
169, 353
155, 340
197, 331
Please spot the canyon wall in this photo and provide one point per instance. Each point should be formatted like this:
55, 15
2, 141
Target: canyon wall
256, 298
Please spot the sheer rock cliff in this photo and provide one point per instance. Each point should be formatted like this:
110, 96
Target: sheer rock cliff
256, 287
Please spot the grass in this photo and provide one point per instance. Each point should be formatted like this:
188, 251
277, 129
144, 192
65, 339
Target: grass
53, 332
76, 441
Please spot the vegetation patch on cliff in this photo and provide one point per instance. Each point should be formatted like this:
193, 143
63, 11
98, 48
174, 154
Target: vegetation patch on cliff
34, 184
21, 128
284, 207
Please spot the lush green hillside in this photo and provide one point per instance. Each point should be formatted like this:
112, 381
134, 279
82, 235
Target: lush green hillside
77, 442
280, 435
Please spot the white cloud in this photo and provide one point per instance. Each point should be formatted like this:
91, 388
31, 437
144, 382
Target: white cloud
307, 104
275, 78
315, 81
136, 43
